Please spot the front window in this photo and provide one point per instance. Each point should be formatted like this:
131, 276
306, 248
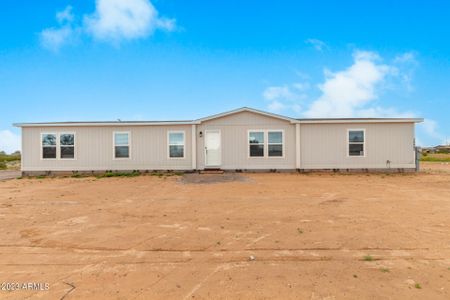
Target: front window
67, 145
275, 143
121, 145
176, 144
256, 143
48, 145
356, 140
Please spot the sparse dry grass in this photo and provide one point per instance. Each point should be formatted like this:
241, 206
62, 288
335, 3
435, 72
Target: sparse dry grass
437, 157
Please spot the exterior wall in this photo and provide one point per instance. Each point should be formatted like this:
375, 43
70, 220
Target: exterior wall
234, 138
324, 146
94, 149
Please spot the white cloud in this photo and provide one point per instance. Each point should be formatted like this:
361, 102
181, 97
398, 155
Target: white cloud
345, 93
117, 20
301, 86
9, 141
302, 75
286, 97
366, 55
56, 37
166, 24
353, 91
431, 128
112, 21
317, 44
277, 92
408, 63
407, 57
277, 95
65, 15
276, 106
383, 112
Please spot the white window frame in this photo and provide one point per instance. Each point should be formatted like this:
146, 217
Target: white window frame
266, 143
364, 143
169, 144
74, 145
282, 142
56, 145
114, 145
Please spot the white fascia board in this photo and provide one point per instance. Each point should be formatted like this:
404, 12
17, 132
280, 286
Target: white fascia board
243, 109
337, 121
95, 124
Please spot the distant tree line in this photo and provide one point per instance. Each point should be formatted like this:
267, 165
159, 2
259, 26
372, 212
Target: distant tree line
4, 158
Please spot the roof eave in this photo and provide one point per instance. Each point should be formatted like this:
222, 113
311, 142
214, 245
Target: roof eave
244, 109
381, 120
102, 124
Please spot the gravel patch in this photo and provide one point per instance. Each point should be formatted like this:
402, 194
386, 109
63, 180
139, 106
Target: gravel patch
4, 175
196, 178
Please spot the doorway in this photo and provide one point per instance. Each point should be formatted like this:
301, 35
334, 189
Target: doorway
213, 148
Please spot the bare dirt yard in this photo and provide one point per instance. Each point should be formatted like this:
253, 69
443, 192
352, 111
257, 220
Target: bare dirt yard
254, 236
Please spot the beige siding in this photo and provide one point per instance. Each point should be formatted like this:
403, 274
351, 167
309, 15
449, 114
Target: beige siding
324, 146
94, 149
234, 134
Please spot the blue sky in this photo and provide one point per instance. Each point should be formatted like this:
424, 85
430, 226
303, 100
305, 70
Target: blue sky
170, 59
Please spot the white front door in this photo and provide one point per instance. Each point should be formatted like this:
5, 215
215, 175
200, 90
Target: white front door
212, 148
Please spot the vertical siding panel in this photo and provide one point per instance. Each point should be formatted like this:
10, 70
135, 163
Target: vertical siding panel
321, 146
325, 146
234, 130
94, 149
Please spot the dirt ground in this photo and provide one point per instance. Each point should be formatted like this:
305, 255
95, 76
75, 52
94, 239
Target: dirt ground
283, 236
9, 174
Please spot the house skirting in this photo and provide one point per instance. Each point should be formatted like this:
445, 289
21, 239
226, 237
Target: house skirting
100, 172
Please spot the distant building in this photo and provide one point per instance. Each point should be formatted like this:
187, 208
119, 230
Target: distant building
442, 148
436, 149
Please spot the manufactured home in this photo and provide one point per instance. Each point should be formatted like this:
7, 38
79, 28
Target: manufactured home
244, 139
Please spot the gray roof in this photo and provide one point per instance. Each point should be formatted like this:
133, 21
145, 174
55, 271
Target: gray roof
199, 121
359, 119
